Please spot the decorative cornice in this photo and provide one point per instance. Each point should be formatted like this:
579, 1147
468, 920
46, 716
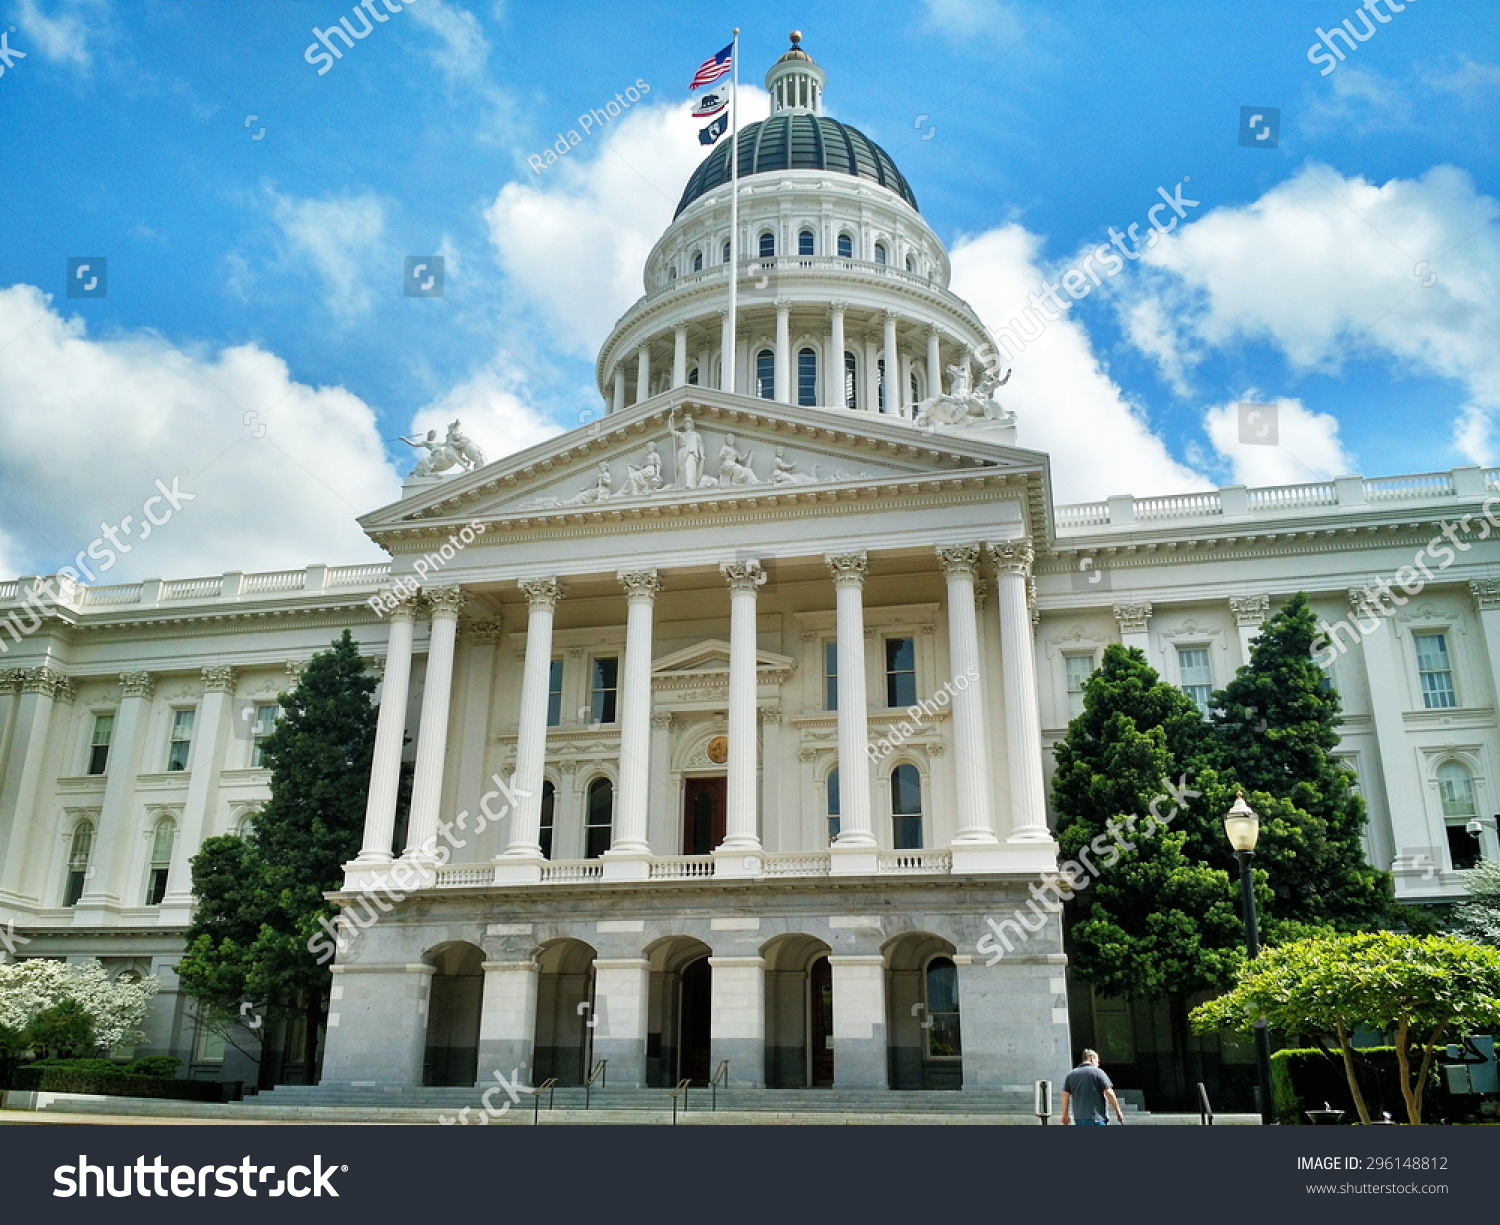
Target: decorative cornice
959, 561
10, 679
849, 569
1013, 556
137, 684
1486, 593
640, 584
743, 575
1132, 618
220, 679
542, 594
444, 601
1250, 610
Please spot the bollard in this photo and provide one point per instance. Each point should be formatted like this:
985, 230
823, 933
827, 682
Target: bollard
1042, 1103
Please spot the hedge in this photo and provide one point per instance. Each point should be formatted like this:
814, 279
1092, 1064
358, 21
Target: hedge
113, 1084
1305, 1078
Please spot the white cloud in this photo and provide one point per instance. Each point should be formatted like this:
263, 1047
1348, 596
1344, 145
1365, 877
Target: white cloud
1065, 403
342, 240
464, 46
99, 421
493, 412
1307, 447
1357, 101
64, 35
966, 20
1331, 269
574, 238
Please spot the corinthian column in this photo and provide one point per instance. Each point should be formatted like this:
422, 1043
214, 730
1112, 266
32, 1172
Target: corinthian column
1023, 720
522, 859
390, 730
833, 357
855, 826
432, 732
976, 824
626, 859
741, 846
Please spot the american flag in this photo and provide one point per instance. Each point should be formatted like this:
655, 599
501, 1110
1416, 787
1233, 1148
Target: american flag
713, 68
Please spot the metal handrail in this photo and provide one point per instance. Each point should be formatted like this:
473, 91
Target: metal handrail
1205, 1109
681, 1091
721, 1073
549, 1087
596, 1074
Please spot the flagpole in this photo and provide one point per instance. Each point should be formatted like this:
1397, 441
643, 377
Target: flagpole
731, 332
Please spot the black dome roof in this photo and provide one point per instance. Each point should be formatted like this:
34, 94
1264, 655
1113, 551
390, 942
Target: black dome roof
798, 140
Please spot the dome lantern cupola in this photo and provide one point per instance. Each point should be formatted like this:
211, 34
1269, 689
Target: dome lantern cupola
795, 82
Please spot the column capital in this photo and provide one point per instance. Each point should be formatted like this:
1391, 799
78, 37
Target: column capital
444, 601
848, 568
219, 679
743, 575
406, 603
484, 629
1132, 618
542, 593
10, 679
662, 720
1362, 600
294, 668
134, 684
640, 584
959, 561
889, 316
837, 308
1013, 556
680, 329
783, 306
1486, 593
1250, 610
41, 680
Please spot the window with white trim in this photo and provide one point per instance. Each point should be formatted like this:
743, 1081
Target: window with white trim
1195, 675
1435, 670
1077, 668
79, 854
162, 840
265, 723
181, 743
906, 807
104, 730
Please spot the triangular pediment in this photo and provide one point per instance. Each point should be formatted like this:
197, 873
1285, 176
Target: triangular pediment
706, 663
688, 447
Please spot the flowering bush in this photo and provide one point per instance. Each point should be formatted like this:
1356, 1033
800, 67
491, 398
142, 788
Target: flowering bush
115, 1007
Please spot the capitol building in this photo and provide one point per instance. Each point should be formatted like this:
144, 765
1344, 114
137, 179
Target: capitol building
758, 675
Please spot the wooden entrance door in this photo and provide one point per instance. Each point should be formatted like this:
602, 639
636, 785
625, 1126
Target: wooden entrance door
704, 807
820, 1022
695, 1033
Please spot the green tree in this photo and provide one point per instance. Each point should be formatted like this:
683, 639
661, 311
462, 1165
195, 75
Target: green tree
1273, 732
1479, 917
62, 1030
1414, 988
260, 897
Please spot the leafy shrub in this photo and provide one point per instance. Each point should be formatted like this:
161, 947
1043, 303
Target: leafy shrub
153, 1065
114, 1084
1305, 1078
79, 1065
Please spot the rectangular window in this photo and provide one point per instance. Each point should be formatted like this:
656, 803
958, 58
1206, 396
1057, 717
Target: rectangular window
1078, 669
900, 672
1463, 847
830, 675
1197, 679
906, 808
832, 787
605, 688
554, 693
1436, 670
182, 740
265, 724
104, 730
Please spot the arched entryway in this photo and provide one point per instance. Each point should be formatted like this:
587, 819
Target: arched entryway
455, 995
925, 1043
799, 1013
679, 1032
564, 1007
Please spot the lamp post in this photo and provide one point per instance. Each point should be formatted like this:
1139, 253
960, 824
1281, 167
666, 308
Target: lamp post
1242, 826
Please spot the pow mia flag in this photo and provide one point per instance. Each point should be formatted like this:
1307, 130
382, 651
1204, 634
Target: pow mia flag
714, 130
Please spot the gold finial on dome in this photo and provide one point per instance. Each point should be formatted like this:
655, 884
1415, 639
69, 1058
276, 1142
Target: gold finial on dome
796, 37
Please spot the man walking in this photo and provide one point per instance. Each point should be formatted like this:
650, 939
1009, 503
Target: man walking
1085, 1092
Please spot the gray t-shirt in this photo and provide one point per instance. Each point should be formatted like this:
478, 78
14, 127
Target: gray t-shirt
1086, 1085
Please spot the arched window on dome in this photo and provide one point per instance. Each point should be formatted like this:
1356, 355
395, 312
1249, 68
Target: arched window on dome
767, 245
906, 808
916, 397
805, 243
672, 272
697, 261
807, 377
725, 260
911, 264
846, 246
880, 256
693, 378
880, 382
851, 381
765, 374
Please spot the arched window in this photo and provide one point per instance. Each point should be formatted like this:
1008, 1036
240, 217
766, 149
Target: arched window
765, 374
831, 787
911, 264
767, 245
851, 381
549, 808
807, 377
161, 860
880, 252
599, 813
672, 273
880, 382
726, 252
78, 861
693, 376
846, 246
940, 986
906, 808
805, 242
697, 261
915, 398
1456, 786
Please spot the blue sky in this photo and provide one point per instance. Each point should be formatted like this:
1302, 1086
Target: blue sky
254, 338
